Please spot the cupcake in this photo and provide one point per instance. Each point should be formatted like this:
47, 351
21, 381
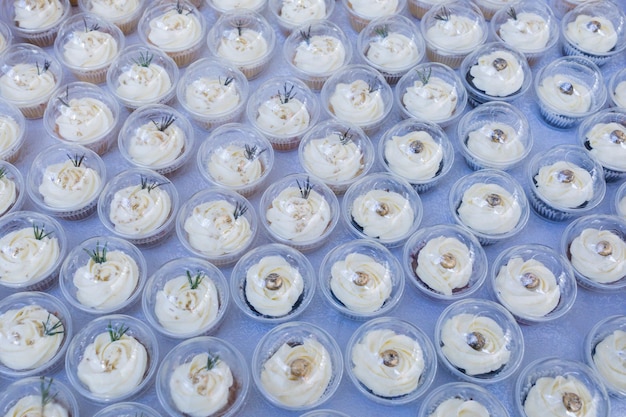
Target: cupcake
44, 394
35, 329
382, 207
361, 279
445, 262
418, 8
28, 76
186, 297
495, 72
596, 248
291, 14
12, 131
534, 282
156, 137
273, 283
66, 181
124, 14
245, 39
494, 135
569, 89
617, 89
337, 153
139, 205
87, 45
237, 157
528, 26
32, 246
12, 189
203, 376
565, 182
392, 45
460, 399
551, 387
362, 12
603, 346
36, 21
178, 29
358, 94
299, 211
491, 204
315, 51
283, 109
490, 7
452, 31
604, 136
102, 275
390, 361
431, 92
213, 92
297, 366
479, 341
127, 347
595, 31
81, 113
142, 75
217, 224
419, 152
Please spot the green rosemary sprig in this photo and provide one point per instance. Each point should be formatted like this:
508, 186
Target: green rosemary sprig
144, 60
40, 233
145, 185
227, 81
443, 14
240, 210
286, 95
46, 397
253, 152
97, 255
194, 281
512, 13
50, 329
116, 333
239, 24
373, 85
76, 159
91, 28
345, 137
305, 188
180, 8
3, 172
423, 76
44, 68
212, 361
306, 35
164, 122
382, 31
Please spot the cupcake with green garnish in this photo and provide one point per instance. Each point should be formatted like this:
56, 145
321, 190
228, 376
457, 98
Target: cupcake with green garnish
12, 189
123, 13
29, 395
36, 21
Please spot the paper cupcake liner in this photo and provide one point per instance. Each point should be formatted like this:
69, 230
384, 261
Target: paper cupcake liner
374, 127
12, 154
453, 61
473, 164
41, 39
128, 26
210, 122
186, 57
557, 120
420, 188
488, 12
546, 211
43, 284
149, 241
417, 9
79, 214
392, 79
34, 112
611, 175
285, 144
358, 23
96, 76
314, 83
253, 71
570, 50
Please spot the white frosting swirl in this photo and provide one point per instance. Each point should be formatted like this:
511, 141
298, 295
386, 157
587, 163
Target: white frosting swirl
455, 34
444, 264
564, 184
217, 228
555, 91
143, 83
153, 147
394, 51
296, 390
90, 48
357, 102
595, 34
474, 344
609, 359
297, 12
211, 96
37, 14
25, 258
360, 282
528, 32
9, 132
381, 214
234, 166
320, 55
373, 8
175, 30
619, 95
83, 119
114, 9
242, 46
458, 407
282, 115
415, 156
111, 368
387, 363
498, 74
105, 285
333, 158
30, 406
200, 391
298, 219
434, 101
489, 208
599, 255
67, 186
29, 337
187, 303
137, 211
547, 398
527, 288
237, 4
496, 142
273, 295
608, 143
26, 82
8, 194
